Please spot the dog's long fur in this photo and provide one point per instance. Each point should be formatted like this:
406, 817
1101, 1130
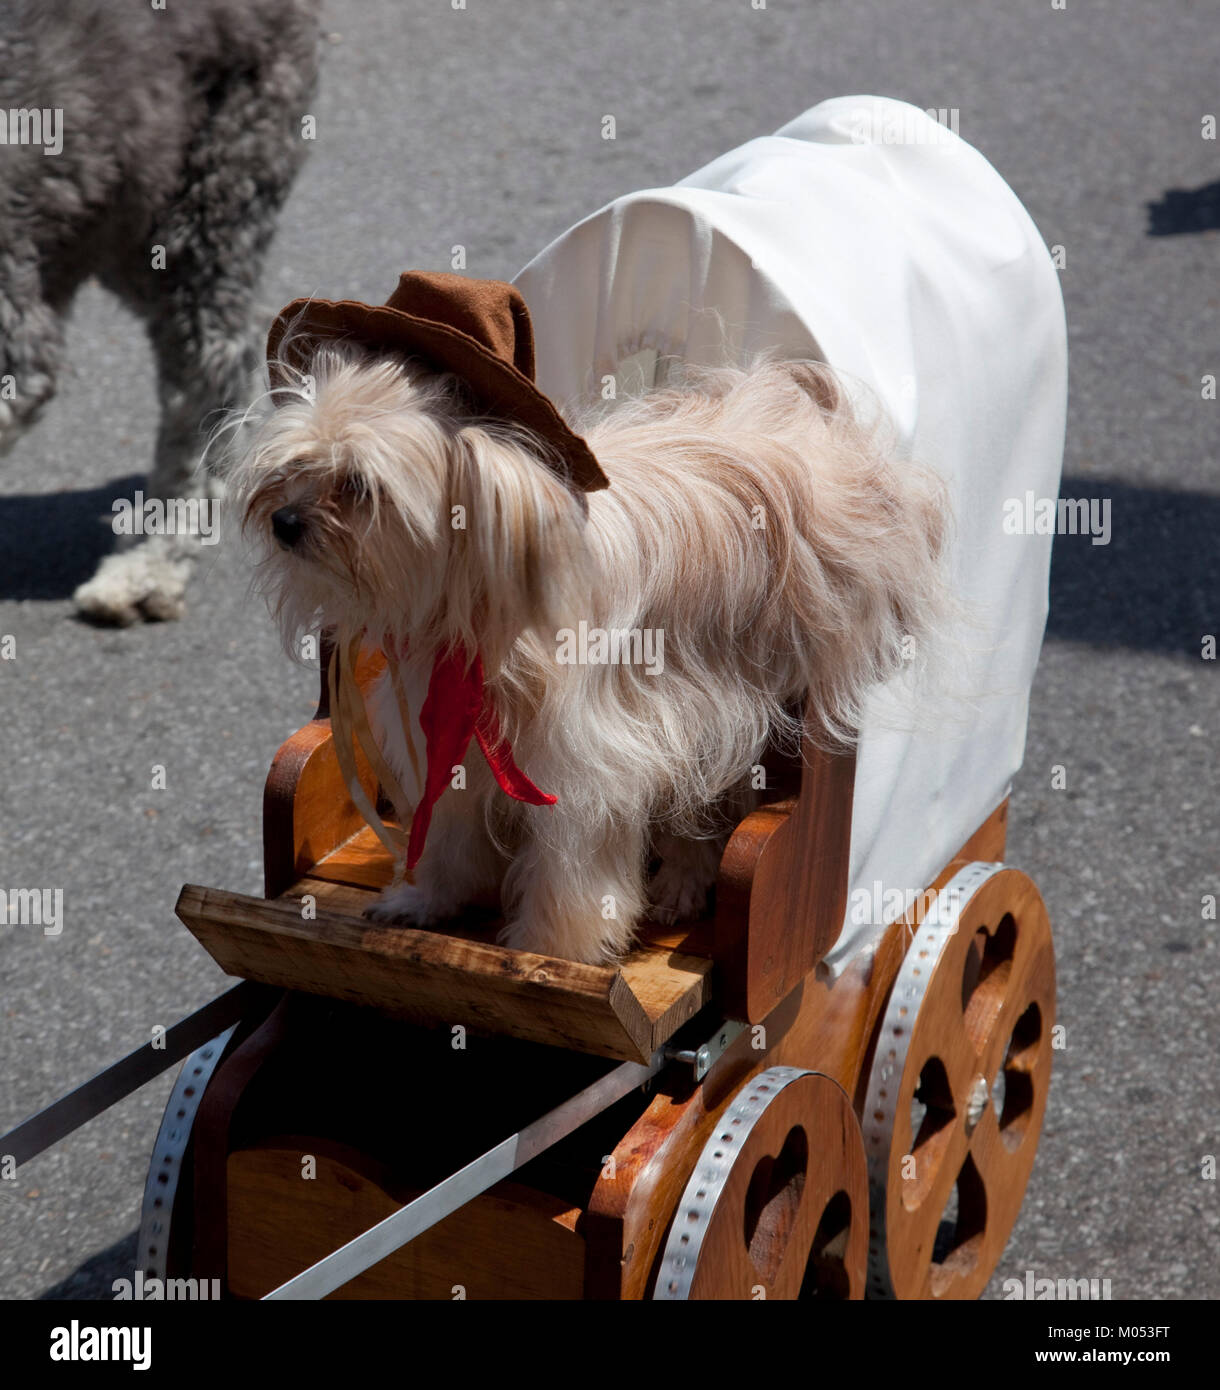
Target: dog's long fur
778, 545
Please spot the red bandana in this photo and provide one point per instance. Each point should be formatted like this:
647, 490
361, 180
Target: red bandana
457, 707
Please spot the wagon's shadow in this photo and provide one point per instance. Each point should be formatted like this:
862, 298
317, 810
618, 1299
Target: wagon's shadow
1155, 586
1182, 211
53, 541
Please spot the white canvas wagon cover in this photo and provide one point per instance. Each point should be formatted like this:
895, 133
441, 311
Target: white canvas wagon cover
867, 235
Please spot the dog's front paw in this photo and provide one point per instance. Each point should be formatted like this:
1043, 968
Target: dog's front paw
408, 906
145, 582
595, 942
100, 600
522, 935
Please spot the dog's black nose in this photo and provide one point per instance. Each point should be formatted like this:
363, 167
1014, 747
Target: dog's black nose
287, 526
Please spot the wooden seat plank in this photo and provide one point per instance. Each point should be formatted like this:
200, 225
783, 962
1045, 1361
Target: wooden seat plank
445, 979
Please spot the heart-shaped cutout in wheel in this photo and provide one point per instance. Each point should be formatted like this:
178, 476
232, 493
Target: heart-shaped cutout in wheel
773, 1200
777, 1205
958, 1086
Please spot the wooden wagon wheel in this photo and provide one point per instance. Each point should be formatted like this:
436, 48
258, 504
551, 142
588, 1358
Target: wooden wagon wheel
958, 1087
777, 1204
159, 1249
167, 1237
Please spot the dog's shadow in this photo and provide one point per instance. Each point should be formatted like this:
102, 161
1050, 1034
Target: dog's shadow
54, 541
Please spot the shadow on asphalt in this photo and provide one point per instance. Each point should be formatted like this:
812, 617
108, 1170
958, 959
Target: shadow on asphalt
95, 1278
53, 541
1182, 211
1155, 586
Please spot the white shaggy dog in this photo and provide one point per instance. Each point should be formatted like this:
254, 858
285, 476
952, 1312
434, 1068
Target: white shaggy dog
771, 544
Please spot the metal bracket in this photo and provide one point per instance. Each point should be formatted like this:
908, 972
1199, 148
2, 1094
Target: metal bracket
704, 1058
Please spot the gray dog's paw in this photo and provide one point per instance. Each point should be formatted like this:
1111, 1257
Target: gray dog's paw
144, 583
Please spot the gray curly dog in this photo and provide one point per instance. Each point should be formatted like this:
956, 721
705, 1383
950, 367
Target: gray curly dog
125, 128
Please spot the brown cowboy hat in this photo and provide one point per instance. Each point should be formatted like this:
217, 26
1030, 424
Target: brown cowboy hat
478, 329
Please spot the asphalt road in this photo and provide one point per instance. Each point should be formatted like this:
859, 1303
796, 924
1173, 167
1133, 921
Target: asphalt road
482, 127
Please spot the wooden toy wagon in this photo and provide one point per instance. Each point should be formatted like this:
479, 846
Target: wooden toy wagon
801, 1132
833, 1086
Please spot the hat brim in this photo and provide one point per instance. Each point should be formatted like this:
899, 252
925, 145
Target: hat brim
493, 384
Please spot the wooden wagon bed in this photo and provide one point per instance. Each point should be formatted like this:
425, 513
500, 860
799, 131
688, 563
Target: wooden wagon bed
441, 978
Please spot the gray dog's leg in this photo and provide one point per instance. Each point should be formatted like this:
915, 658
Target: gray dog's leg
33, 343
215, 233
